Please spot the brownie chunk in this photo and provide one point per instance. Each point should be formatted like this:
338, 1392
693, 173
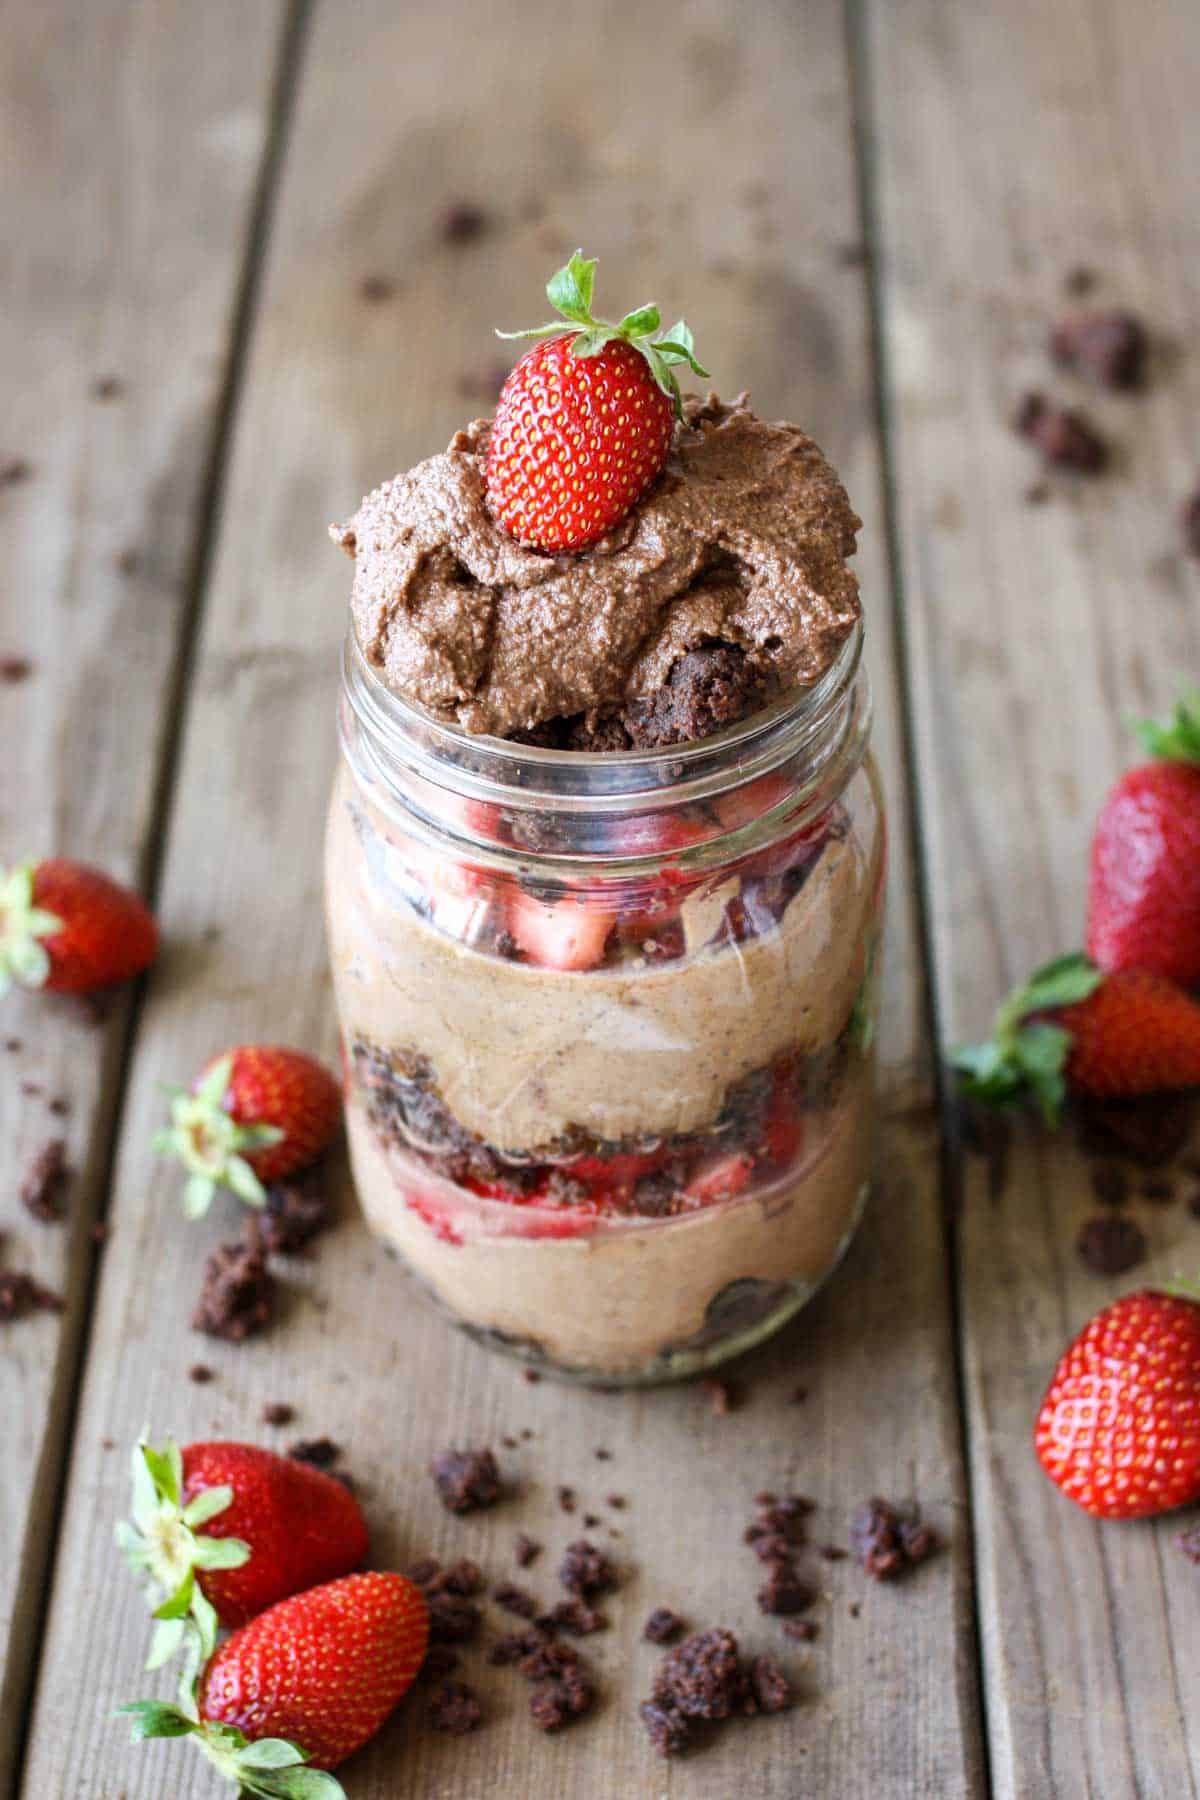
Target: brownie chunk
561, 1702
21, 1294
321, 1452
1109, 346
1110, 1244
887, 1543
454, 1708
548, 1660
467, 1480
238, 1296
440, 1661
278, 1412
462, 1577
1189, 1543
586, 1570
769, 1685
663, 1626
785, 1591
669, 1731
1065, 437
453, 1619
515, 1646
45, 1179
703, 1678
515, 1600
575, 1616
526, 1550
296, 1212
706, 690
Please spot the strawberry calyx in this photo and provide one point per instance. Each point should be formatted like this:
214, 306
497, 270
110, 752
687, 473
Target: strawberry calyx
23, 926
1026, 1056
569, 291
273, 1768
165, 1550
209, 1142
1179, 739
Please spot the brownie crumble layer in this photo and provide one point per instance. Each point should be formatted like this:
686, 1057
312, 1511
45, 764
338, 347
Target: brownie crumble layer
740, 545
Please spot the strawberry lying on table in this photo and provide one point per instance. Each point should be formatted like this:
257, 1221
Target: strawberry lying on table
69, 928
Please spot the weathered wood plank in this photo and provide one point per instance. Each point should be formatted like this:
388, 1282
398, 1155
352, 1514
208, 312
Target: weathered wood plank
1012, 146
392, 126
132, 142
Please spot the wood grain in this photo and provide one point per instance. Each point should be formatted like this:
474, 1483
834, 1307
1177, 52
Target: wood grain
648, 158
131, 147
1013, 145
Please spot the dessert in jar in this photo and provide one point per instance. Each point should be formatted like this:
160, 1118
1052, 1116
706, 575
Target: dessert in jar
605, 869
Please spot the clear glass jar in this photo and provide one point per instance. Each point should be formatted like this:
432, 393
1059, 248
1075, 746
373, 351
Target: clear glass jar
607, 1020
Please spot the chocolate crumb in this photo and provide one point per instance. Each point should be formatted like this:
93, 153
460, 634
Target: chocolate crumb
514, 1646
42, 1188
463, 223
561, 1702
784, 1591
603, 1455
721, 1397
833, 1553
463, 1577
532, 1376
591, 1521
453, 1618
566, 1499
1189, 1543
454, 1708
238, 1296
14, 469
546, 1659
467, 1480
14, 669
1109, 346
703, 1678
127, 562
668, 1730
201, 1374
802, 1630
617, 1500
296, 1212
526, 1434
1065, 437
107, 387
14, 1045
510, 1443
1110, 1184
575, 1616
375, 289
1037, 493
440, 1661
1079, 280
425, 1573
663, 1626
887, 1543
854, 1609
278, 1412
769, 1685
21, 1294
527, 1550
1110, 1244
321, 1452
586, 1570
515, 1600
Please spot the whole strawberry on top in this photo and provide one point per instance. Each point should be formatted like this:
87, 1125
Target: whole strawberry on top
1119, 1428
70, 928
302, 1686
257, 1114
1144, 892
272, 1526
1072, 1028
585, 419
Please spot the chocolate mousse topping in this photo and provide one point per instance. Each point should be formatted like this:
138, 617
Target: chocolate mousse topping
740, 543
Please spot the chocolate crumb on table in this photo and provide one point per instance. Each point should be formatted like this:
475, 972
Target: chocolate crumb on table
769, 1685
1065, 437
804, 1631
561, 1702
278, 1412
107, 387
586, 1570
833, 1553
603, 1455
462, 1577
467, 1480
887, 1542
200, 1373
575, 1616
1109, 346
705, 1681
526, 1549
238, 1296
14, 669
566, 1499
296, 1212
320, 1452
785, 1591
1189, 1543
463, 222
1111, 1243
532, 1376
663, 1626
42, 1187
1079, 280
453, 1619
14, 469
547, 1659
591, 1520
721, 1397
454, 1708
375, 289
21, 1294
516, 1600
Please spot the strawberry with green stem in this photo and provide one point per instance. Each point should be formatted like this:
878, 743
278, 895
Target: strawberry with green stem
1071, 1028
70, 928
257, 1114
585, 419
297, 1690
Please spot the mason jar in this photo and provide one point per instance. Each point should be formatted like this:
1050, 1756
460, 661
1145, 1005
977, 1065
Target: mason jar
607, 1020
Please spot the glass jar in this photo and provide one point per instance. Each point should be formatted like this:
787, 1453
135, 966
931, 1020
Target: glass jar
607, 1020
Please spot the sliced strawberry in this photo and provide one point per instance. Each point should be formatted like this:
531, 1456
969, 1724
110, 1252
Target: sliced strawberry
559, 934
621, 1170
721, 1177
783, 1134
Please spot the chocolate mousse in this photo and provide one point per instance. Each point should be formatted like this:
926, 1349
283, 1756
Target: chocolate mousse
740, 544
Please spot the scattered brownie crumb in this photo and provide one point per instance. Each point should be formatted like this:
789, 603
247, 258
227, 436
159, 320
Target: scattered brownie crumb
516, 1600
201, 1374
575, 1616
463, 1577
721, 1396
425, 1573
454, 1708
561, 1702
14, 1045
453, 1618
591, 1521
59, 1106
278, 1412
532, 1376
804, 1631
238, 1296
546, 1659
100, 1233
702, 1679
769, 1685
784, 1591
463, 222
1065, 437
852, 256
296, 1212
833, 1553
107, 387
321, 1452
1109, 346
1110, 1244
566, 1499
14, 669
526, 1434
668, 1730
1037, 493
1189, 519
603, 1455
21, 1294
375, 289
1189, 1543
586, 1570
887, 1543
42, 1188
663, 1626
1158, 1187
440, 1661
617, 1500
1079, 280
771, 1547
854, 1609
526, 1550
128, 562
467, 1480
14, 469
1110, 1184
515, 1646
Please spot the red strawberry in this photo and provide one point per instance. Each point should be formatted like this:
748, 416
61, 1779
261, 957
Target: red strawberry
68, 927
584, 421
721, 1177
559, 934
306, 1683
1072, 1027
272, 1526
257, 1114
1144, 892
1119, 1429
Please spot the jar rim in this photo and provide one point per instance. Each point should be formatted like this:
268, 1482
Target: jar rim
811, 718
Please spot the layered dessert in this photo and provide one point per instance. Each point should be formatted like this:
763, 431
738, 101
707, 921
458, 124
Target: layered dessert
604, 873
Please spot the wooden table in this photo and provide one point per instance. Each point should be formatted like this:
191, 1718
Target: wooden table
868, 212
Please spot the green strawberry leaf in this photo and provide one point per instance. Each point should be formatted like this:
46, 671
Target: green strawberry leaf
204, 1614
221, 1553
198, 1196
569, 289
212, 1089
1063, 982
535, 331
178, 1604
164, 1472
1179, 739
155, 1719
1026, 1056
640, 322
270, 1753
244, 1182
589, 343
206, 1505
304, 1784
165, 1642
